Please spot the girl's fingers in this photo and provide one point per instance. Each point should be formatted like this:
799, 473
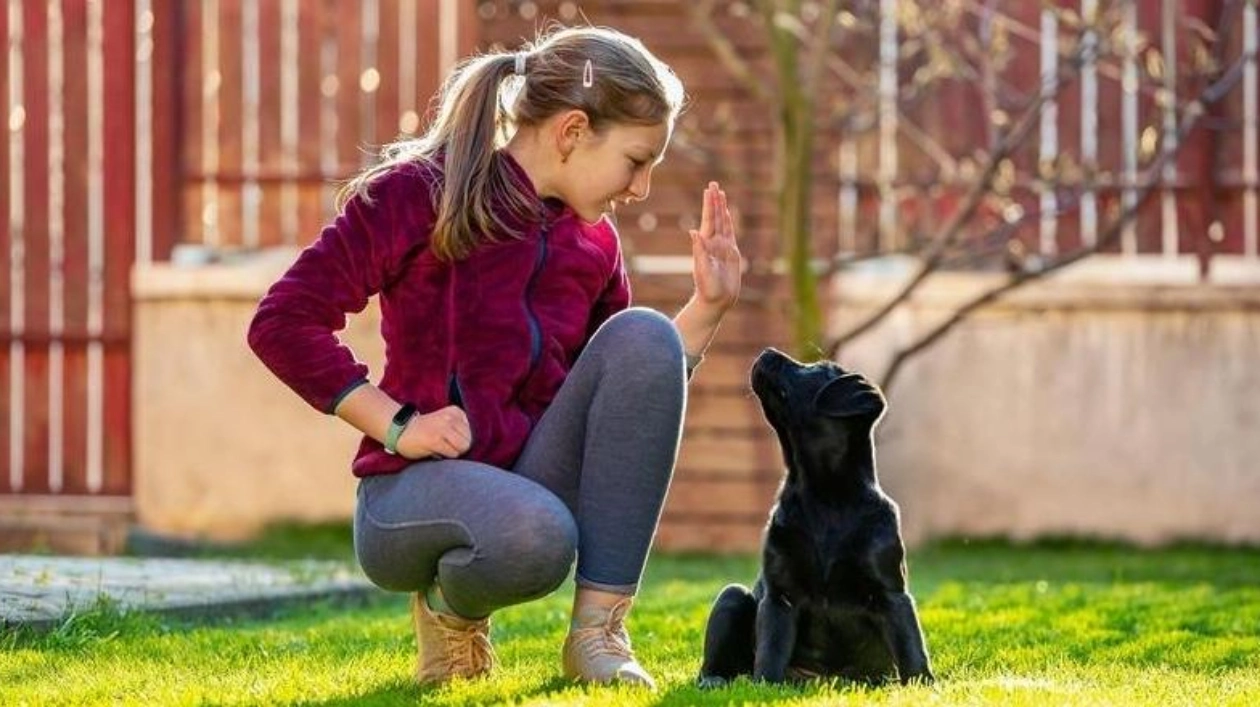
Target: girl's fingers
706, 211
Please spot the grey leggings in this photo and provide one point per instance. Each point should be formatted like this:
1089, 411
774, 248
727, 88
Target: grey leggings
591, 481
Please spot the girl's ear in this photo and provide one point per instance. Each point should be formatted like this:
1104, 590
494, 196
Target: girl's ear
571, 127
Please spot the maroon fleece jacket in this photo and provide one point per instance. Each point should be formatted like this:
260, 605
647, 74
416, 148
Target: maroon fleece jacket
495, 333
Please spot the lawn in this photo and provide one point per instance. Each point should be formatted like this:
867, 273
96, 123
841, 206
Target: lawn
1062, 624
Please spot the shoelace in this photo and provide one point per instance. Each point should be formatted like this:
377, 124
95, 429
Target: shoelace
610, 638
468, 650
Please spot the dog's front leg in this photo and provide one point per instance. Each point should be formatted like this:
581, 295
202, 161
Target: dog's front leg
905, 639
776, 635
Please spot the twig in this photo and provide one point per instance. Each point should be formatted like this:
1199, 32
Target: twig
702, 17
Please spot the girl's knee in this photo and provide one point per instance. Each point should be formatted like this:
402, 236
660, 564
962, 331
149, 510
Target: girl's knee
642, 335
552, 543
540, 548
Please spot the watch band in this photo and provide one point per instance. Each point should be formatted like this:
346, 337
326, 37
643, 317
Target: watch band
396, 425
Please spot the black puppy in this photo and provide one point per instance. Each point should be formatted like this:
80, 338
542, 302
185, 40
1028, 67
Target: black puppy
832, 597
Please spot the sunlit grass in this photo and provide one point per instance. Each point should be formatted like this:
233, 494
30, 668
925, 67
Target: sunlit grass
1062, 624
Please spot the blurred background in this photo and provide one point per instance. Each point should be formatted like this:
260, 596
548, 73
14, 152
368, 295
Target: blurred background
1035, 223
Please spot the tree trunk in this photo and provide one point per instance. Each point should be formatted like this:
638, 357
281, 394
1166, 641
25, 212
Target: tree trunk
794, 226
795, 171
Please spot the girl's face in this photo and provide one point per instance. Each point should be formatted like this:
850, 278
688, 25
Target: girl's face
610, 167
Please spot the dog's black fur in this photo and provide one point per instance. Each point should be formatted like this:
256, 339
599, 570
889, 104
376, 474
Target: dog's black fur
832, 598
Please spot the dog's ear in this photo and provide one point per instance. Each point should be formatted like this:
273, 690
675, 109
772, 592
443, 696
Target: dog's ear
850, 395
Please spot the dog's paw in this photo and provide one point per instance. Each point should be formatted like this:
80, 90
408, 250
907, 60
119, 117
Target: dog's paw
926, 679
711, 682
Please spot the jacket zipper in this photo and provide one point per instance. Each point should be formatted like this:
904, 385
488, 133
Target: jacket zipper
535, 328
453, 394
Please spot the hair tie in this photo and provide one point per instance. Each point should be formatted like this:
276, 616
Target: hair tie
519, 68
588, 74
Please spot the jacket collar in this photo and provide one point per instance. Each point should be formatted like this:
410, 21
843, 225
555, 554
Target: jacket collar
550, 210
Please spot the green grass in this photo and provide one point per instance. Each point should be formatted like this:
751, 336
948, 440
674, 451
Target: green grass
1055, 623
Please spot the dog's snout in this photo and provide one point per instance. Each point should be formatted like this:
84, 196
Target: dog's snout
770, 356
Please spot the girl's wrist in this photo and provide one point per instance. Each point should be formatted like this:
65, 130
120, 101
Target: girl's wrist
708, 312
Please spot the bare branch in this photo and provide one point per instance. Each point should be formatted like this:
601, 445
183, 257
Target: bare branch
702, 17
927, 144
821, 44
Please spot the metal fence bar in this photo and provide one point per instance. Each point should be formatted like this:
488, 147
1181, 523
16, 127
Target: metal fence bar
96, 249
16, 114
1089, 126
1048, 148
56, 244
1129, 123
1169, 229
888, 47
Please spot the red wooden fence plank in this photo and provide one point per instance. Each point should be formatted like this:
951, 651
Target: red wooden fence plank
428, 70
120, 224
35, 235
166, 116
348, 31
311, 26
270, 149
1068, 228
231, 121
468, 28
387, 110
75, 102
1229, 143
191, 78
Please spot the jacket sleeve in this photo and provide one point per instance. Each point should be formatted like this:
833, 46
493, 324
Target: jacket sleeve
294, 329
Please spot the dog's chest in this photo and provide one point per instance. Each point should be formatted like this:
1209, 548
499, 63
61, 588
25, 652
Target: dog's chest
825, 566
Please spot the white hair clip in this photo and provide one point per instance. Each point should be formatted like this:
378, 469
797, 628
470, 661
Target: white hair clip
588, 75
519, 68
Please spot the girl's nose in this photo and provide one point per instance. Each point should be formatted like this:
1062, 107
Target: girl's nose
640, 186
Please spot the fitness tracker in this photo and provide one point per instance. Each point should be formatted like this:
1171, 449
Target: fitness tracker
396, 425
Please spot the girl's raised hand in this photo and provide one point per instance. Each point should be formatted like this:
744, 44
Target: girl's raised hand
716, 263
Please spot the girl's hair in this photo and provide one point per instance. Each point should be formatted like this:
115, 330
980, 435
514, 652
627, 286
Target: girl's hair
608, 75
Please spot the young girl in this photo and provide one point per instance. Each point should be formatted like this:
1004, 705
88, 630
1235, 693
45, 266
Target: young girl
526, 416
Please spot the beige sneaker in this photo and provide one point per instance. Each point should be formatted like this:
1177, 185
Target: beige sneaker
449, 646
601, 653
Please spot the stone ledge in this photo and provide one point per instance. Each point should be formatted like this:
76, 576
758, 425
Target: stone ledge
1100, 283
238, 276
39, 592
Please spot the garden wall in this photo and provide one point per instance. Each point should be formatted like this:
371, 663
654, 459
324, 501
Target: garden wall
1118, 400
1095, 404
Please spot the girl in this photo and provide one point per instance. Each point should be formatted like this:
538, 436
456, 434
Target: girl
526, 416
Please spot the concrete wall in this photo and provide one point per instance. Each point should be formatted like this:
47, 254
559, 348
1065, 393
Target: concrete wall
1113, 401
221, 446
1095, 404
